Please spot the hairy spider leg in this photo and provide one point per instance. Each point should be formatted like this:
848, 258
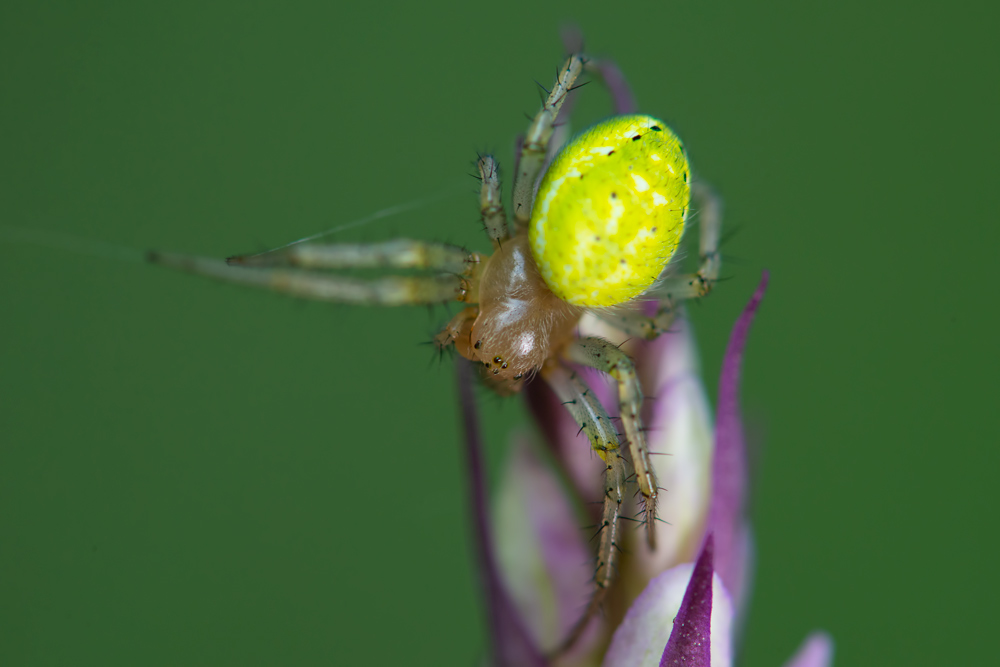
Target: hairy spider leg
394, 254
490, 204
675, 289
601, 355
536, 141
458, 331
605, 69
385, 291
595, 422
699, 284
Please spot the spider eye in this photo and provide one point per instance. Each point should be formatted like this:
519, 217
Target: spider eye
610, 211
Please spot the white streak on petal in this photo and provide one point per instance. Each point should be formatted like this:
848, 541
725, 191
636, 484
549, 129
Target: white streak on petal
816, 651
640, 639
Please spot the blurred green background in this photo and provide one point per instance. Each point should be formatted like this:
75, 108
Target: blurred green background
191, 473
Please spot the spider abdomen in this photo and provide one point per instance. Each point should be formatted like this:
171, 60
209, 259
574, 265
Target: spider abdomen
610, 211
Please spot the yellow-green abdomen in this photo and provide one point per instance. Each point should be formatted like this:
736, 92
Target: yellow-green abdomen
610, 211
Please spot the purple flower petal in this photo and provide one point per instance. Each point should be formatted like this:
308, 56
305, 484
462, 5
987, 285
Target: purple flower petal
729, 467
690, 641
816, 651
650, 622
543, 554
512, 644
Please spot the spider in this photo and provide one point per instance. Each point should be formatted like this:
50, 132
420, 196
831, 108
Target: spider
596, 224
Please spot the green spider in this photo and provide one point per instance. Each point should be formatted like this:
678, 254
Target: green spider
595, 234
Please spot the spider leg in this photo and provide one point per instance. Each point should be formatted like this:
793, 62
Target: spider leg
386, 291
637, 323
675, 289
595, 422
697, 285
606, 70
394, 254
490, 205
536, 141
458, 332
600, 354
614, 81
621, 98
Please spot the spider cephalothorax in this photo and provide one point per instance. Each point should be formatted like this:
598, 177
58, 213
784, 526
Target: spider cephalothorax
597, 237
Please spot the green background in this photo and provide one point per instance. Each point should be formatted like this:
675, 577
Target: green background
191, 473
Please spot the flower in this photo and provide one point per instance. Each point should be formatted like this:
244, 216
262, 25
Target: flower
683, 603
